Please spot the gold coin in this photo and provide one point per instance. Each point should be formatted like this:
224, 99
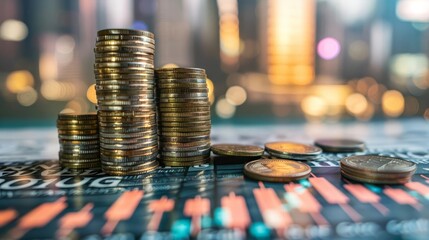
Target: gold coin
177, 81
179, 105
185, 164
237, 150
131, 43
184, 139
77, 122
184, 124
185, 119
180, 70
79, 117
80, 166
184, 109
185, 134
118, 31
126, 37
291, 148
182, 85
66, 127
184, 145
276, 170
78, 137
375, 180
184, 129
184, 149
78, 132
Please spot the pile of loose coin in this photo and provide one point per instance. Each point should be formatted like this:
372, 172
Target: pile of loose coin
282, 164
183, 116
125, 87
78, 138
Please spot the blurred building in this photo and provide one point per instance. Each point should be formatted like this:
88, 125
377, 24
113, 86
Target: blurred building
277, 59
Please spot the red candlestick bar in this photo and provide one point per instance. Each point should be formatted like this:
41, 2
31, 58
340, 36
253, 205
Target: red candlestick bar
237, 209
334, 196
364, 195
418, 187
196, 208
7, 215
122, 209
38, 217
402, 197
271, 208
74, 220
308, 203
158, 207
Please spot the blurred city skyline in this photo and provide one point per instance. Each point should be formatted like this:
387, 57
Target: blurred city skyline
281, 59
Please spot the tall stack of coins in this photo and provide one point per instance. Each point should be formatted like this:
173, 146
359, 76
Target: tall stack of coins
183, 116
78, 138
125, 87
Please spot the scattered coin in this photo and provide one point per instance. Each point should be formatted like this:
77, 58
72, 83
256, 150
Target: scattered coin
377, 169
276, 170
340, 145
291, 150
237, 150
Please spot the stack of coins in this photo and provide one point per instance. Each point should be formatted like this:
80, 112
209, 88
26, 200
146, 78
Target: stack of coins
125, 87
291, 150
377, 169
183, 116
78, 138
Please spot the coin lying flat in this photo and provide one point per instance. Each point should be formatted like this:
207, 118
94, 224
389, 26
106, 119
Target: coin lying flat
276, 170
237, 150
377, 169
340, 145
292, 150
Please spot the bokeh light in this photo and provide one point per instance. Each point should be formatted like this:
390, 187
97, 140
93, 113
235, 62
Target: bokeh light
211, 89
224, 109
236, 95
65, 44
170, 65
19, 81
13, 30
27, 97
58, 91
91, 94
314, 106
393, 103
328, 48
358, 50
413, 10
426, 114
356, 104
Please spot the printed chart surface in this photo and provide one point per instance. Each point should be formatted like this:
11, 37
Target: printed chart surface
40, 200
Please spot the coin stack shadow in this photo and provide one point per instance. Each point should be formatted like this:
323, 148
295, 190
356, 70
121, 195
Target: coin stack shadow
183, 116
125, 87
78, 138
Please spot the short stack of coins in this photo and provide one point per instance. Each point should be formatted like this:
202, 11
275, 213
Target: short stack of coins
125, 87
183, 116
78, 138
